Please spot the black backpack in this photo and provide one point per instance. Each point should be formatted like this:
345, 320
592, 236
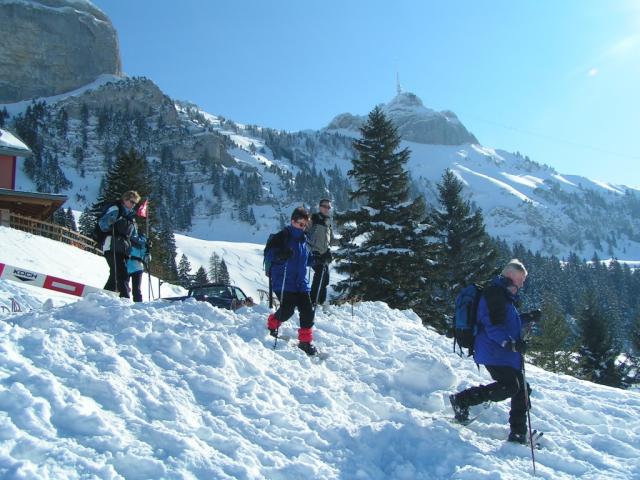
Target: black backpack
275, 242
97, 234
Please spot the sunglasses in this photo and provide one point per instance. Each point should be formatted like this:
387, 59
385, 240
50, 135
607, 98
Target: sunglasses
328, 207
300, 223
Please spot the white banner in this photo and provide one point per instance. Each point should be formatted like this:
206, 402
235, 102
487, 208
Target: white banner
29, 277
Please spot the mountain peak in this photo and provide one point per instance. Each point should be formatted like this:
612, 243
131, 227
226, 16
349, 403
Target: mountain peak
405, 99
415, 122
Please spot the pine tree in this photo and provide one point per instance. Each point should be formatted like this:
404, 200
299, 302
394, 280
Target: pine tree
465, 255
385, 250
201, 276
552, 346
59, 217
224, 278
86, 222
4, 116
131, 171
214, 268
70, 221
597, 352
184, 269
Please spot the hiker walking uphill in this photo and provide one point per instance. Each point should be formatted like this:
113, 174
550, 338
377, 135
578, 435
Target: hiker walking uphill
499, 346
289, 257
320, 239
117, 226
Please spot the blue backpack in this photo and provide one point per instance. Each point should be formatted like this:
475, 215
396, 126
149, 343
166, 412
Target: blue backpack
464, 323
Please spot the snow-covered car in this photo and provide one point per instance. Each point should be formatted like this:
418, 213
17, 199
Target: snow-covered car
218, 295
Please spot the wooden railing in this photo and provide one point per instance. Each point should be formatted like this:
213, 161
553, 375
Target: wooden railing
53, 231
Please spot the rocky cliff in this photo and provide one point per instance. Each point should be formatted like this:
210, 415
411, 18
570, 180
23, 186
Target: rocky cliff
53, 46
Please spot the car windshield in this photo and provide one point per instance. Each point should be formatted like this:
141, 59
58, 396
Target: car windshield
220, 291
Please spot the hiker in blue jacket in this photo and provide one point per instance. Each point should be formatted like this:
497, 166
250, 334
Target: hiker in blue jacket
289, 279
499, 346
138, 258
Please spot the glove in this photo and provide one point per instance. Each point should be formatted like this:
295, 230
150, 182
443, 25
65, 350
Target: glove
121, 227
285, 254
519, 346
533, 316
327, 257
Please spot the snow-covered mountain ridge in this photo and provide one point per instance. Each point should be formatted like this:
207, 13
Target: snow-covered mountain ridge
238, 182
103, 388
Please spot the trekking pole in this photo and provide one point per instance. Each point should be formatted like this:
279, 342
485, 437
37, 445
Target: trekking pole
526, 336
284, 278
115, 265
319, 288
528, 407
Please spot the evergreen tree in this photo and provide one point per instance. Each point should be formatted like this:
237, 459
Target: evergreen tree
224, 279
552, 346
214, 268
384, 251
4, 116
59, 217
163, 251
465, 253
86, 222
131, 171
70, 221
201, 276
184, 269
597, 352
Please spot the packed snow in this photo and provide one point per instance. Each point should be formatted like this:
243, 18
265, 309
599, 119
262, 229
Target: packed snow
9, 140
103, 388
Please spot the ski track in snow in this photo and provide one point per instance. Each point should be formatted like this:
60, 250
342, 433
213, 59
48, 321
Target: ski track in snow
103, 388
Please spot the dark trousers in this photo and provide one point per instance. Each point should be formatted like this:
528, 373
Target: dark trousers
136, 282
317, 290
117, 271
288, 304
508, 384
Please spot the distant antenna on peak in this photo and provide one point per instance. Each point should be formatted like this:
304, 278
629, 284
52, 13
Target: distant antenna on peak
398, 87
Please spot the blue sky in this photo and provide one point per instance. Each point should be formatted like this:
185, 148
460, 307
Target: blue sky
556, 80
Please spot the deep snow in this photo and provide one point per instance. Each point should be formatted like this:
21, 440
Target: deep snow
103, 388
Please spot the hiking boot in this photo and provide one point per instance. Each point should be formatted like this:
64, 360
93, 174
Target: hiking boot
308, 348
517, 438
460, 411
273, 324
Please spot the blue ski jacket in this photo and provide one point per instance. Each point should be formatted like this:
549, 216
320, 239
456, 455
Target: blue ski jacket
139, 251
498, 321
296, 265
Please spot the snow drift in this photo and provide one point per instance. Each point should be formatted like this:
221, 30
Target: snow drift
103, 388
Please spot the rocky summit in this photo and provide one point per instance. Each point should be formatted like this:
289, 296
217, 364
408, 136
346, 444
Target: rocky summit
53, 46
415, 122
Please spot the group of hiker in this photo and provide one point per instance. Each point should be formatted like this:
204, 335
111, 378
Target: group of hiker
498, 341
125, 249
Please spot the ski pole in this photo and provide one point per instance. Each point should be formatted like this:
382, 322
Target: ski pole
115, 265
319, 288
528, 407
284, 278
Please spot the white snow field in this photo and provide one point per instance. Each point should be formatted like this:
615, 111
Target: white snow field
103, 388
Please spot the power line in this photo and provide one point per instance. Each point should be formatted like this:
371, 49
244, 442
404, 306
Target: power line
557, 140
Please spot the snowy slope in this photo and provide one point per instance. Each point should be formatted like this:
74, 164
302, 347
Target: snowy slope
103, 388
49, 257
